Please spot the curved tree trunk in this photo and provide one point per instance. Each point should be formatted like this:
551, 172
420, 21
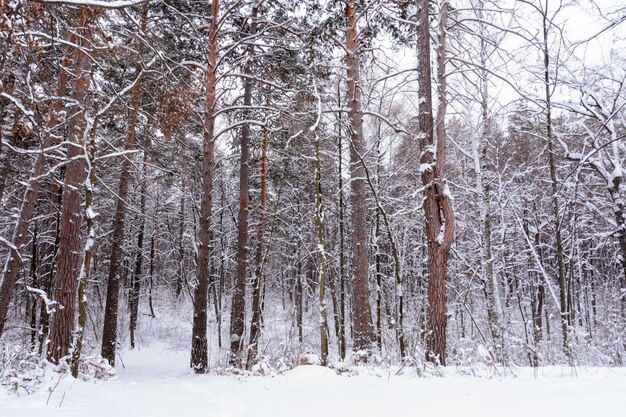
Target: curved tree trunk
437, 201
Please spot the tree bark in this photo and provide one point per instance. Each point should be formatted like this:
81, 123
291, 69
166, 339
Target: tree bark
109, 332
564, 316
137, 278
29, 201
6, 154
199, 345
238, 310
89, 250
181, 280
319, 223
342, 290
70, 252
255, 324
438, 210
362, 319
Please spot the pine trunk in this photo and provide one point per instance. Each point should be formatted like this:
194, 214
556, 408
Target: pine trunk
437, 202
199, 344
109, 332
70, 253
362, 319
238, 311
29, 201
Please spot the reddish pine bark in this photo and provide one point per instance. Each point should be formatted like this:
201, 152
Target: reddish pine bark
438, 212
362, 320
20, 234
199, 348
70, 253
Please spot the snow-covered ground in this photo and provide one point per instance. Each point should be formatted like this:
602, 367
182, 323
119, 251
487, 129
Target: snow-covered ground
157, 382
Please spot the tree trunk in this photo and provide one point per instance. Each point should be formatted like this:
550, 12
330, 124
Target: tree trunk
255, 324
29, 201
379, 283
153, 239
70, 252
437, 202
199, 345
136, 281
341, 342
238, 311
298, 293
619, 207
34, 282
6, 154
89, 250
181, 281
319, 223
479, 154
109, 332
362, 319
554, 189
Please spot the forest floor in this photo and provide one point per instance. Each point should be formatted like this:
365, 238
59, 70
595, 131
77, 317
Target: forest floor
154, 381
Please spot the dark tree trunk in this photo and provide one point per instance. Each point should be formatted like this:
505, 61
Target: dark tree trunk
319, 222
137, 278
342, 290
109, 332
554, 190
6, 155
619, 210
35, 283
255, 324
238, 311
181, 281
298, 293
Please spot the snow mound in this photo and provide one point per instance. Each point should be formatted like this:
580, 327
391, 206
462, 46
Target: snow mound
310, 372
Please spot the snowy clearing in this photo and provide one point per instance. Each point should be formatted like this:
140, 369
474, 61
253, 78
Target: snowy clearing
155, 382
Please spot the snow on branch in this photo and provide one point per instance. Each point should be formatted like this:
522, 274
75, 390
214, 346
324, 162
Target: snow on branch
19, 105
9, 244
41, 294
99, 4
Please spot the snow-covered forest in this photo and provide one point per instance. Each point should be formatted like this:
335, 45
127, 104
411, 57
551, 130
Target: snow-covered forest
414, 186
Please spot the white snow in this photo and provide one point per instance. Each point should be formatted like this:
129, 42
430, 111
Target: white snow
155, 382
425, 168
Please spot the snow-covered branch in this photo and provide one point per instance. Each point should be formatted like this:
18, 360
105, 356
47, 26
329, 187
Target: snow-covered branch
98, 4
